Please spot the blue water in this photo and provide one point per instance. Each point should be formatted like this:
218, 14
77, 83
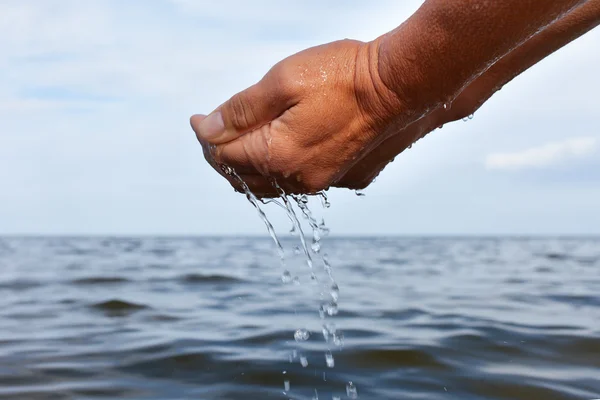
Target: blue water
209, 318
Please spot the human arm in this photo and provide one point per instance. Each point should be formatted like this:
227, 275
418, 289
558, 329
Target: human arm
317, 113
566, 29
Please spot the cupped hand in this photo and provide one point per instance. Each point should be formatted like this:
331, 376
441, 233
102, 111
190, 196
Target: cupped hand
306, 123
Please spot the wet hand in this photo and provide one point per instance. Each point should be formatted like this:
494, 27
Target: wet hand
305, 124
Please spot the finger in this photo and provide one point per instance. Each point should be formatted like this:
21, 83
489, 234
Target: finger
248, 110
247, 155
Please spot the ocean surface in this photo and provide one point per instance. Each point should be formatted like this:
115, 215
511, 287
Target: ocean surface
212, 318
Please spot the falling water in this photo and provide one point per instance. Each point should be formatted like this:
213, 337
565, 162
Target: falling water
328, 307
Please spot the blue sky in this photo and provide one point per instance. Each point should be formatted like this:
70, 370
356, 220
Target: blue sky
94, 137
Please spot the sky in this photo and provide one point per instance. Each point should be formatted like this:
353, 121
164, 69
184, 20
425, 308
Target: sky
95, 98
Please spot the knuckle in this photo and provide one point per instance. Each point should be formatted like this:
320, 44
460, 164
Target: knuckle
288, 78
240, 113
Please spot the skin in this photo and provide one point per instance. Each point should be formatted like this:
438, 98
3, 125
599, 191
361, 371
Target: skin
560, 33
337, 114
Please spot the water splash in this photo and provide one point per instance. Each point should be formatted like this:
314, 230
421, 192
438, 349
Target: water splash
286, 277
329, 360
335, 292
301, 335
255, 202
328, 308
304, 361
324, 200
292, 216
351, 391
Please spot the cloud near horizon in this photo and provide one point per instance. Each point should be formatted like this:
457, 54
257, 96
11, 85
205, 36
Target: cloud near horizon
547, 155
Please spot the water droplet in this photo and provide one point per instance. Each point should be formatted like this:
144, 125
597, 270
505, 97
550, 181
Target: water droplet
313, 277
316, 247
441, 126
316, 396
338, 339
465, 119
351, 391
324, 201
329, 359
335, 292
286, 386
336, 398
297, 250
316, 234
324, 377
470, 116
303, 361
296, 280
286, 277
359, 193
227, 170
331, 309
328, 331
301, 335
326, 265
324, 229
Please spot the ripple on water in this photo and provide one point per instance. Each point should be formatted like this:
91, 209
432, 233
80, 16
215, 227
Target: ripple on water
20, 284
385, 358
100, 280
200, 278
117, 307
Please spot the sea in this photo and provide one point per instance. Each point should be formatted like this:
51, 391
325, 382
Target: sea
440, 318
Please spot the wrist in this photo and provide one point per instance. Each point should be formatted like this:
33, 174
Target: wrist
412, 64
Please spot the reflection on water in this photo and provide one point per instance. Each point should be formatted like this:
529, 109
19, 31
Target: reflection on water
209, 318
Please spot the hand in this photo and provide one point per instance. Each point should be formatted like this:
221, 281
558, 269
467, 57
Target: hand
370, 166
305, 123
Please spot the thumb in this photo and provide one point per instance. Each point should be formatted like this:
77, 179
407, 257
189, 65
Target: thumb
244, 112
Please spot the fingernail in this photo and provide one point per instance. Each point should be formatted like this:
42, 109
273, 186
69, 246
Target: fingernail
211, 127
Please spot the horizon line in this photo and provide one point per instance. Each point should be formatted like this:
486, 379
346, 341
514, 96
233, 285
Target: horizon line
334, 236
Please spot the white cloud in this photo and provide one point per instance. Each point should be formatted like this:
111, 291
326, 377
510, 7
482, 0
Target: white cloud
543, 156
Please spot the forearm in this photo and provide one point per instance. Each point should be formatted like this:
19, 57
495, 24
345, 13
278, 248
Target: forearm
445, 45
558, 34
